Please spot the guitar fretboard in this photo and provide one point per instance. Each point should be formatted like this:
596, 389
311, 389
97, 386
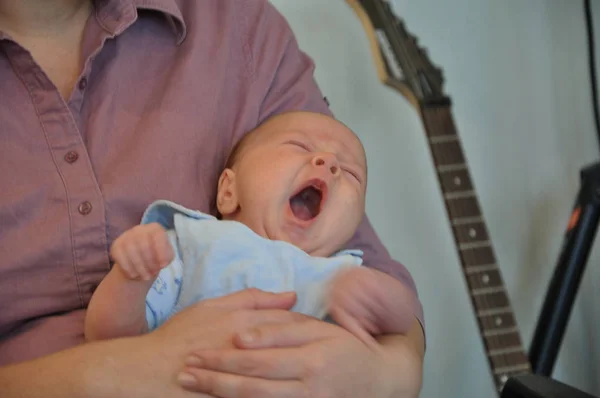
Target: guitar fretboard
486, 287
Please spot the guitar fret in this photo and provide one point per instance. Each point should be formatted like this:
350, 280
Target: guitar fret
505, 351
474, 245
481, 268
502, 340
494, 311
508, 362
497, 332
441, 139
459, 195
487, 290
447, 168
513, 368
466, 220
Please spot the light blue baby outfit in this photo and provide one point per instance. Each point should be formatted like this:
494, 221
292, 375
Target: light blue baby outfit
214, 258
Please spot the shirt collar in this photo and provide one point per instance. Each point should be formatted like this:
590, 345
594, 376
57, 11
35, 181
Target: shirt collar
117, 15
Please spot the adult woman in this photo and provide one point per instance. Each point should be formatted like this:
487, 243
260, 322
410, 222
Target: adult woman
106, 106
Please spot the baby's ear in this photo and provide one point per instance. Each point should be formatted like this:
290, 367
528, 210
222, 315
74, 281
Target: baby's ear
227, 200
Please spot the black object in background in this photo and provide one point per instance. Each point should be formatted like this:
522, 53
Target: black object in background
577, 243
536, 386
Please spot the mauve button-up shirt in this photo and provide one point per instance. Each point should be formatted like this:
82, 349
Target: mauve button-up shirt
167, 87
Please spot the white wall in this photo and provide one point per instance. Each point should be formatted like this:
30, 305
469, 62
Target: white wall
517, 74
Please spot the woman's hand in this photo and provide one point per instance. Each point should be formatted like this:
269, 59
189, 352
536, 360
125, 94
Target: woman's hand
309, 358
147, 366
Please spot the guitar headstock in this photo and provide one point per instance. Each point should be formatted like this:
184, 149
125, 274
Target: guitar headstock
401, 63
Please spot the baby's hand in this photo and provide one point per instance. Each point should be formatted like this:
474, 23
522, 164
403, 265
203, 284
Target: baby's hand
142, 251
366, 300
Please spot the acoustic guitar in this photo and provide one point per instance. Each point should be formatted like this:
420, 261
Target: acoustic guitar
404, 66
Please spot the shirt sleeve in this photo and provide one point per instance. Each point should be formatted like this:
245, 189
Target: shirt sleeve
283, 74
292, 87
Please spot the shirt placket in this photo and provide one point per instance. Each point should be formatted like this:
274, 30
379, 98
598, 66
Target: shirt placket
82, 195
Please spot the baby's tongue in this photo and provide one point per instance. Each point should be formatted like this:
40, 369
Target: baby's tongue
306, 203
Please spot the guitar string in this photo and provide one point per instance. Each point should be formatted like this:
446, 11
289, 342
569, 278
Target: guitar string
498, 299
487, 255
471, 256
461, 208
394, 41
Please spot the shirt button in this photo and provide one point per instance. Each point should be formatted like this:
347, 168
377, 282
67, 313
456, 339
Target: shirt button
71, 157
82, 84
85, 208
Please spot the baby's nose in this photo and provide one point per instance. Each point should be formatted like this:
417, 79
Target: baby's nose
328, 160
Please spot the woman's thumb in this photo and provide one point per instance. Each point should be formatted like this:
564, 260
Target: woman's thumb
254, 299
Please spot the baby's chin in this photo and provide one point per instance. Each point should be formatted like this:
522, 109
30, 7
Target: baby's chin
315, 249
303, 239
296, 238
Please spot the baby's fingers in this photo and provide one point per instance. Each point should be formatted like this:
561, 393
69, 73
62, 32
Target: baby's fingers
138, 259
353, 325
144, 249
163, 251
119, 254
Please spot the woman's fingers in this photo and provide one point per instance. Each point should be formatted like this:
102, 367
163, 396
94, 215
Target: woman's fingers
233, 386
253, 299
285, 334
275, 364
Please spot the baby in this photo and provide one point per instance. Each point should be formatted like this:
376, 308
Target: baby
290, 197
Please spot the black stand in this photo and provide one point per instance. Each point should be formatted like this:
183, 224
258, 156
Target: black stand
563, 287
536, 386
560, 296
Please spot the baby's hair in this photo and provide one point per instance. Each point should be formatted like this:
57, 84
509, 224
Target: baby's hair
246, 140
238, 148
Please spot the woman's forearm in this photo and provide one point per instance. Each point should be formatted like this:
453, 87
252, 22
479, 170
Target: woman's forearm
85, 371
405, 356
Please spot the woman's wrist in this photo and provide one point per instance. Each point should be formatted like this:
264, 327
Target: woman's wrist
100, 373
402, 367
115, 368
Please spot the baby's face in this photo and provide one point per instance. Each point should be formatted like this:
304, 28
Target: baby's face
301, 180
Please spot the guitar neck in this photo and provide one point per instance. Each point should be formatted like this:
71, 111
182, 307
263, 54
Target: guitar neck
405, 66
484, 280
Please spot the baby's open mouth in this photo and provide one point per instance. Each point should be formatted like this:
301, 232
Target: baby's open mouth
306, 203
